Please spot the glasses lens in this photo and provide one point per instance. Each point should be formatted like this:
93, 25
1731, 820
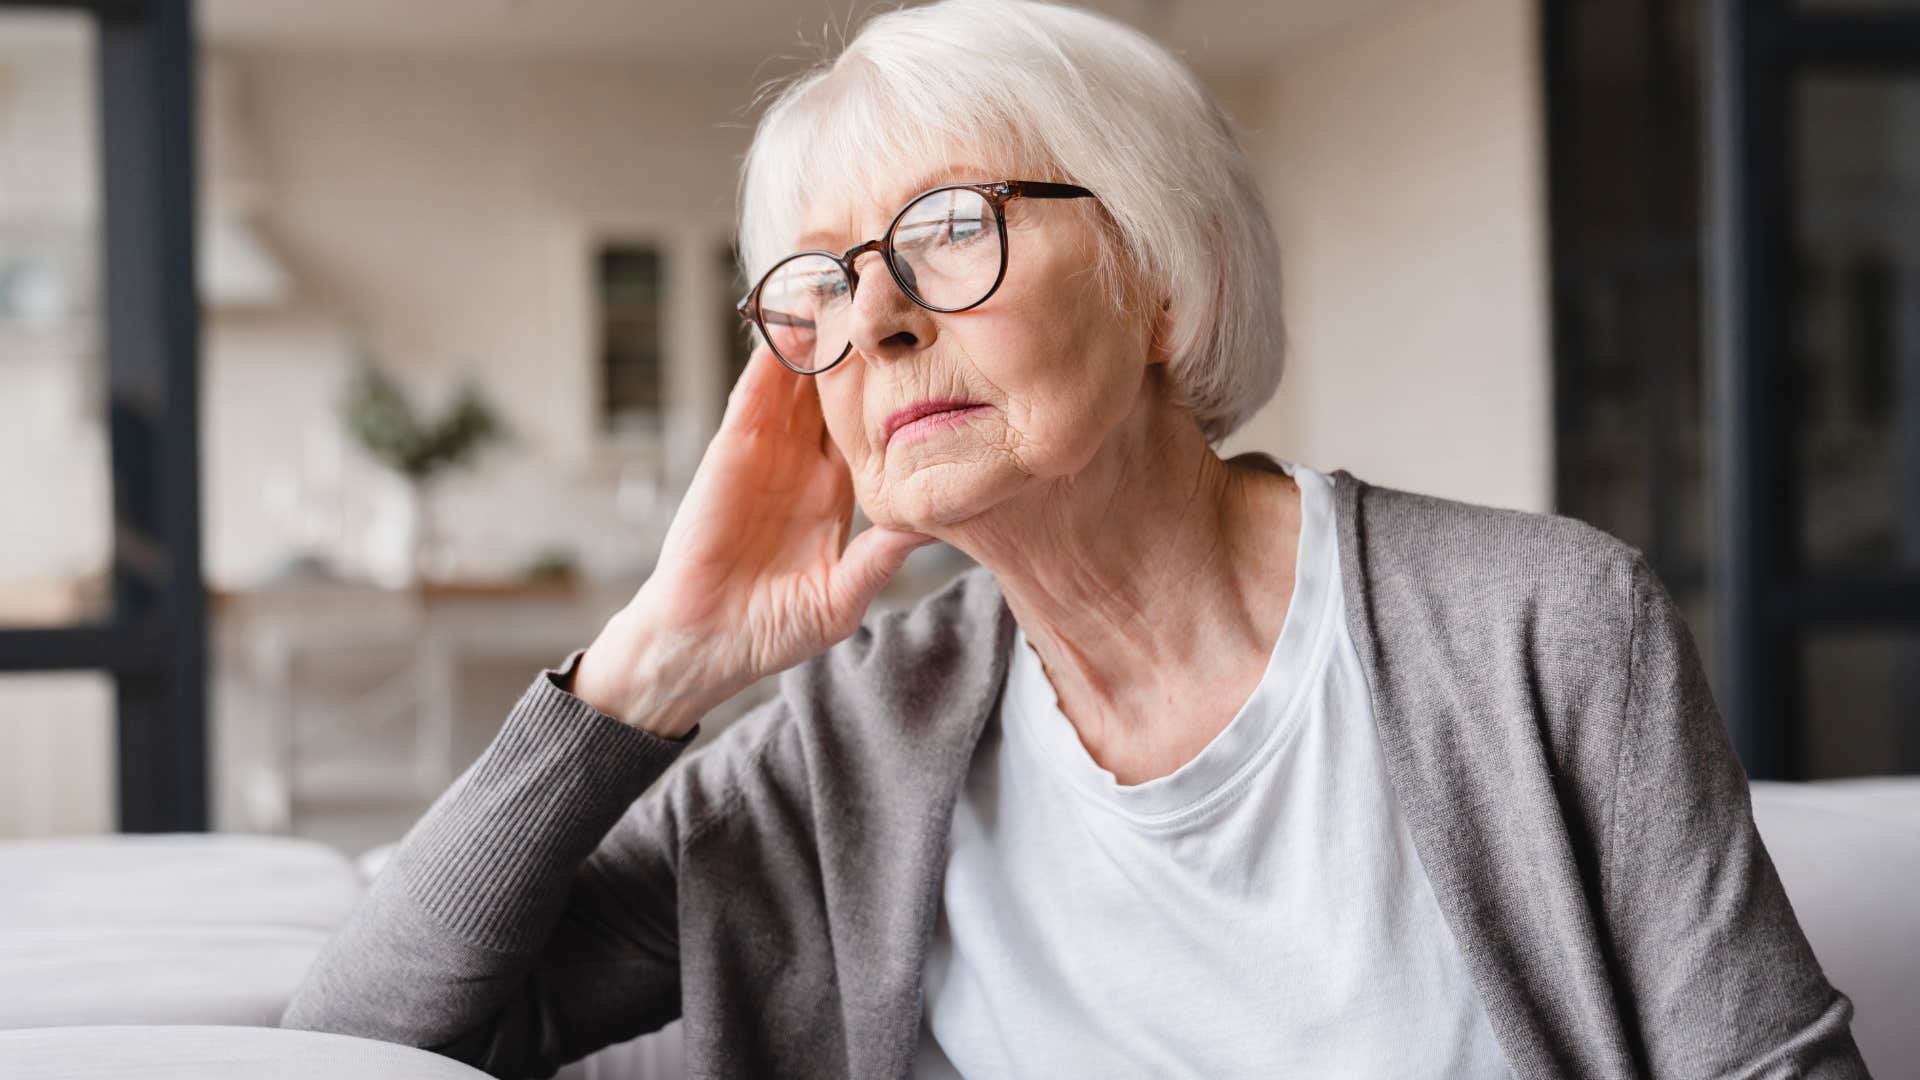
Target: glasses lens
803, 311
947, 248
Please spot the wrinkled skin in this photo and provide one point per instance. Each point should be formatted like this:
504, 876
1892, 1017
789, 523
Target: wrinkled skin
1145, 570
752, 577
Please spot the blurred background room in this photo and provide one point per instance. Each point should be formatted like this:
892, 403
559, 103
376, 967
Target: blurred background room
353, 355
465, 325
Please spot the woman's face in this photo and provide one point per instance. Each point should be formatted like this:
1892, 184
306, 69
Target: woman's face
1049, 360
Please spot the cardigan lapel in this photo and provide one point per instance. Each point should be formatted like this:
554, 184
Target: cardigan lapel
1473, 782
946, 721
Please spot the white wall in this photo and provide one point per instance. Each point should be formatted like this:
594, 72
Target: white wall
1402, 157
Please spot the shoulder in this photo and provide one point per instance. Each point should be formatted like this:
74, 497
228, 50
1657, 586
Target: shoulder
1489, 565
1509, 628
1533, 615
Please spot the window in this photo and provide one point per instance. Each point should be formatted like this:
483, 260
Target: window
1751, 418
142, 624
631, 280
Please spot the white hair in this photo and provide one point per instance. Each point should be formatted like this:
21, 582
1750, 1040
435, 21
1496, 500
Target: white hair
1061, 94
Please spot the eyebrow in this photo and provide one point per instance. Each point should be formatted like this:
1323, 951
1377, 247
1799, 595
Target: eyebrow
816, 238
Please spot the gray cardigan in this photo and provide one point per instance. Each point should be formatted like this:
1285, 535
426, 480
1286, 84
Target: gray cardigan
1548, 730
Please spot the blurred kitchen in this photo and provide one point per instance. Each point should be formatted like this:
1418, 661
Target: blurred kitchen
463, 325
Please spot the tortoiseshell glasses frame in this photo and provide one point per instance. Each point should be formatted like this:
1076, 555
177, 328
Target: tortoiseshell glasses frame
996, 194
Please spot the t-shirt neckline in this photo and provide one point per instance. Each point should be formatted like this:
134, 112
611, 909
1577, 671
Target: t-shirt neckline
1260, 726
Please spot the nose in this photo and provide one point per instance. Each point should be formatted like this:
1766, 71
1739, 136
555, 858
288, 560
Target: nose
886, 324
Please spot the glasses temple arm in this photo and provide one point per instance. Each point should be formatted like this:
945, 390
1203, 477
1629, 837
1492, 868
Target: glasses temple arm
1037, 189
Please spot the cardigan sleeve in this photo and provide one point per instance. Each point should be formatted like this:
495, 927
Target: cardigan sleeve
1720, 979
530, 916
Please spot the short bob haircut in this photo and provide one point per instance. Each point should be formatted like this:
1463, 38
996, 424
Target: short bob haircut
1039, 91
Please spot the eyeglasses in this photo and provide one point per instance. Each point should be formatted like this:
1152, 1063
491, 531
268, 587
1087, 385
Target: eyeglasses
946, 249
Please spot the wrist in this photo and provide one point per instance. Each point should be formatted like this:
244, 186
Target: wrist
631, 673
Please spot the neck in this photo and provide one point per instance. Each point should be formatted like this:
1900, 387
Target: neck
1152, 583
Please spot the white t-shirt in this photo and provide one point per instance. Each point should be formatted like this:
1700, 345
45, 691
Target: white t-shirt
1258, 912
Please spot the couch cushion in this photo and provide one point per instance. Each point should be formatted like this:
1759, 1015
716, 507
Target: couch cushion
1848, 853
213, 1053
154, 974
174, 929
175, 879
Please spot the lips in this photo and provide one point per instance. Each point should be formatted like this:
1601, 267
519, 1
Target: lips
915, 411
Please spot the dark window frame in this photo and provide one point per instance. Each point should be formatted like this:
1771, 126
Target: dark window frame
1758, 50
154, 642
1765, 602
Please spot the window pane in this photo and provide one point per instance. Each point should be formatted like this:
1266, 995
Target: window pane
631, 284
1863, 704
56, 754
1857, 417
56, 536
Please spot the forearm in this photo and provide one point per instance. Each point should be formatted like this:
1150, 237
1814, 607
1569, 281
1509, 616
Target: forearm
438, 952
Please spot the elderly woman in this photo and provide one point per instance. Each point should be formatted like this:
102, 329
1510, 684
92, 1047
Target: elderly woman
1211, 768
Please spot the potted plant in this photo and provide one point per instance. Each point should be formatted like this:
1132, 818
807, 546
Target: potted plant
381, 419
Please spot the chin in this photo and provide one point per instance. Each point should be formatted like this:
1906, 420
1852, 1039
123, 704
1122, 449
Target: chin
945, 489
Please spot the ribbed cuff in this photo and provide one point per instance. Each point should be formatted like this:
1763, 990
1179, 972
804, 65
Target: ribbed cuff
492, 858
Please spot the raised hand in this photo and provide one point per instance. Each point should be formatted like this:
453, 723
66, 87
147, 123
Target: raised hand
756, 573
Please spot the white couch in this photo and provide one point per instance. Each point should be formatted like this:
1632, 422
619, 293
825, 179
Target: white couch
180, 929
202, 939
1848, 852
214, 1052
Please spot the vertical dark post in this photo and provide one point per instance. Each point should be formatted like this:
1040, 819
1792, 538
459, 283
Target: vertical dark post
1665, 178
1729, 392
1750, 376
1771, 313
1557, 47
152, 335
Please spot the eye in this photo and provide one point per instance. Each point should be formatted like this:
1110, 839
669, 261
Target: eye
823, 287
964, 229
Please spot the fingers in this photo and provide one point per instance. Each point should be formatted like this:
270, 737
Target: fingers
772, 397
869, 562
764, 395
749, 390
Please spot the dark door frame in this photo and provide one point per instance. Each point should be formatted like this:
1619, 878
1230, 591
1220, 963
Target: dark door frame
154, 643
1767, 599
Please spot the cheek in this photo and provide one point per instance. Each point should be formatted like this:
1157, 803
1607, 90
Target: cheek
842, 408
1066, 367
